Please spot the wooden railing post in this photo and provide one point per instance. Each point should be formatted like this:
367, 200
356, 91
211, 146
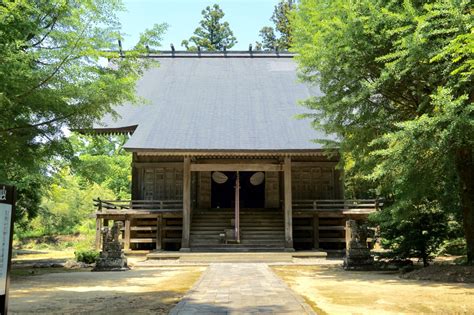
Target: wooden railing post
315, 231
288, 204
126, 241
159, 232
186, 204
98, 233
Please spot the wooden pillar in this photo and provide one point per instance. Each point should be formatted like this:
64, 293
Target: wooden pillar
186, 204
127, 232
316, 231
159, 233
135, 179
288, 204
98, 233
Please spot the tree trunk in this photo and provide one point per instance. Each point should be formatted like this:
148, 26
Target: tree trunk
465, 170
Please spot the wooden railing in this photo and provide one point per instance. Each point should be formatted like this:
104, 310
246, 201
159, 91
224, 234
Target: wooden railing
343, 205
137, 205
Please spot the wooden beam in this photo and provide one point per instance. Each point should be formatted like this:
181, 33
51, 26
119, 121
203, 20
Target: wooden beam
237, 161
98, 233
126, 239
315, 231
314, 164
159, 233
157, 164
186, 204
234, 167
288, 204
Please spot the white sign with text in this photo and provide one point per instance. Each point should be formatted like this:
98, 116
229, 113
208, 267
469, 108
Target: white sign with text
5, 220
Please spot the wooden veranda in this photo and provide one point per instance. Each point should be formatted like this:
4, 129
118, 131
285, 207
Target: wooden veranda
158, 224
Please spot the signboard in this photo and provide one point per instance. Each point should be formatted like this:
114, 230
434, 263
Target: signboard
5, 219
7, 207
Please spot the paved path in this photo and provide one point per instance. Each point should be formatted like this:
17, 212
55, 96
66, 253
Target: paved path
240, 288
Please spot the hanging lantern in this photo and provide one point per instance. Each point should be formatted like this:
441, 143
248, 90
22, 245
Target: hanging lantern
219, 177
257, 178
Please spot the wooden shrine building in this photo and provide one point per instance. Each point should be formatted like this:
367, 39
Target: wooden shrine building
220, 160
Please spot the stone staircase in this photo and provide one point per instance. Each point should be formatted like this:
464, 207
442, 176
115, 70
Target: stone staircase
261, 230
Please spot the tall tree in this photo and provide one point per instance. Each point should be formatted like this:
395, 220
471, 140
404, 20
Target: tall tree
397, 78
51, 79
213, 34
281, 20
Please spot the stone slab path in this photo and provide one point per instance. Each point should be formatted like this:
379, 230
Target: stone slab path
240, 288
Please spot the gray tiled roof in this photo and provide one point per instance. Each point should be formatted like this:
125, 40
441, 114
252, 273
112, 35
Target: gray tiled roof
219, 103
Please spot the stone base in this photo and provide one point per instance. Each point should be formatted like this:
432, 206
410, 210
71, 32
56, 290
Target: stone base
111, 262
358, 263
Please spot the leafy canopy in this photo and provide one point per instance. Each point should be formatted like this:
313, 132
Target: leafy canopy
281, 20
53, 78
100, 168
212, 34
397, 78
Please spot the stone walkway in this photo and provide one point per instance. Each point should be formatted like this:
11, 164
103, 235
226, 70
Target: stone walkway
240, 288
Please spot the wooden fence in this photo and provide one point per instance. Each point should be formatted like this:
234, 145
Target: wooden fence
346, 206
147, 205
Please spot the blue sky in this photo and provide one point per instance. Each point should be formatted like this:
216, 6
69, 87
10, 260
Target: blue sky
246, 18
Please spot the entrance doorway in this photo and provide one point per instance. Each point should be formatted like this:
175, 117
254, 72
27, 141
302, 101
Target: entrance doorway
252, 189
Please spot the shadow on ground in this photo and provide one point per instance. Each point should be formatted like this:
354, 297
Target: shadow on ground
135, 291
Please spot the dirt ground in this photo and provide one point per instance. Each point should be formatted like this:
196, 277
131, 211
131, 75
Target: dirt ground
135, 291
444, 273
331, 290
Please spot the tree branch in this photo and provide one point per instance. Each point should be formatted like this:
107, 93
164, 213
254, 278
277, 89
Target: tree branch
38, 124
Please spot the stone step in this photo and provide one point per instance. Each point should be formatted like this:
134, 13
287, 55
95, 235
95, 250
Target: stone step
242, 243
237, 257
231, 253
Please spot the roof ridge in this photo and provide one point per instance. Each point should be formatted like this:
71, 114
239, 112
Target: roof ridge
218, 54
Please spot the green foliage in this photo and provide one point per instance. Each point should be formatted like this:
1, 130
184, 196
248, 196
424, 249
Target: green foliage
397, 81
212, 34
101, 169
416, 232
86, 256
67, 204
51, 80
281, 20
455, 246
101, 160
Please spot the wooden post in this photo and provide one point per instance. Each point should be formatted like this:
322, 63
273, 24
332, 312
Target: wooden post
288, 204
98, 233
316, 231
136, 178
348, 233
126, 239
186, 204
159, 229
237, 209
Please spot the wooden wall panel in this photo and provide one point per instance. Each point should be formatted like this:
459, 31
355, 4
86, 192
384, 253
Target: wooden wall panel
313, 182
161, 183
204, 190
272, 190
